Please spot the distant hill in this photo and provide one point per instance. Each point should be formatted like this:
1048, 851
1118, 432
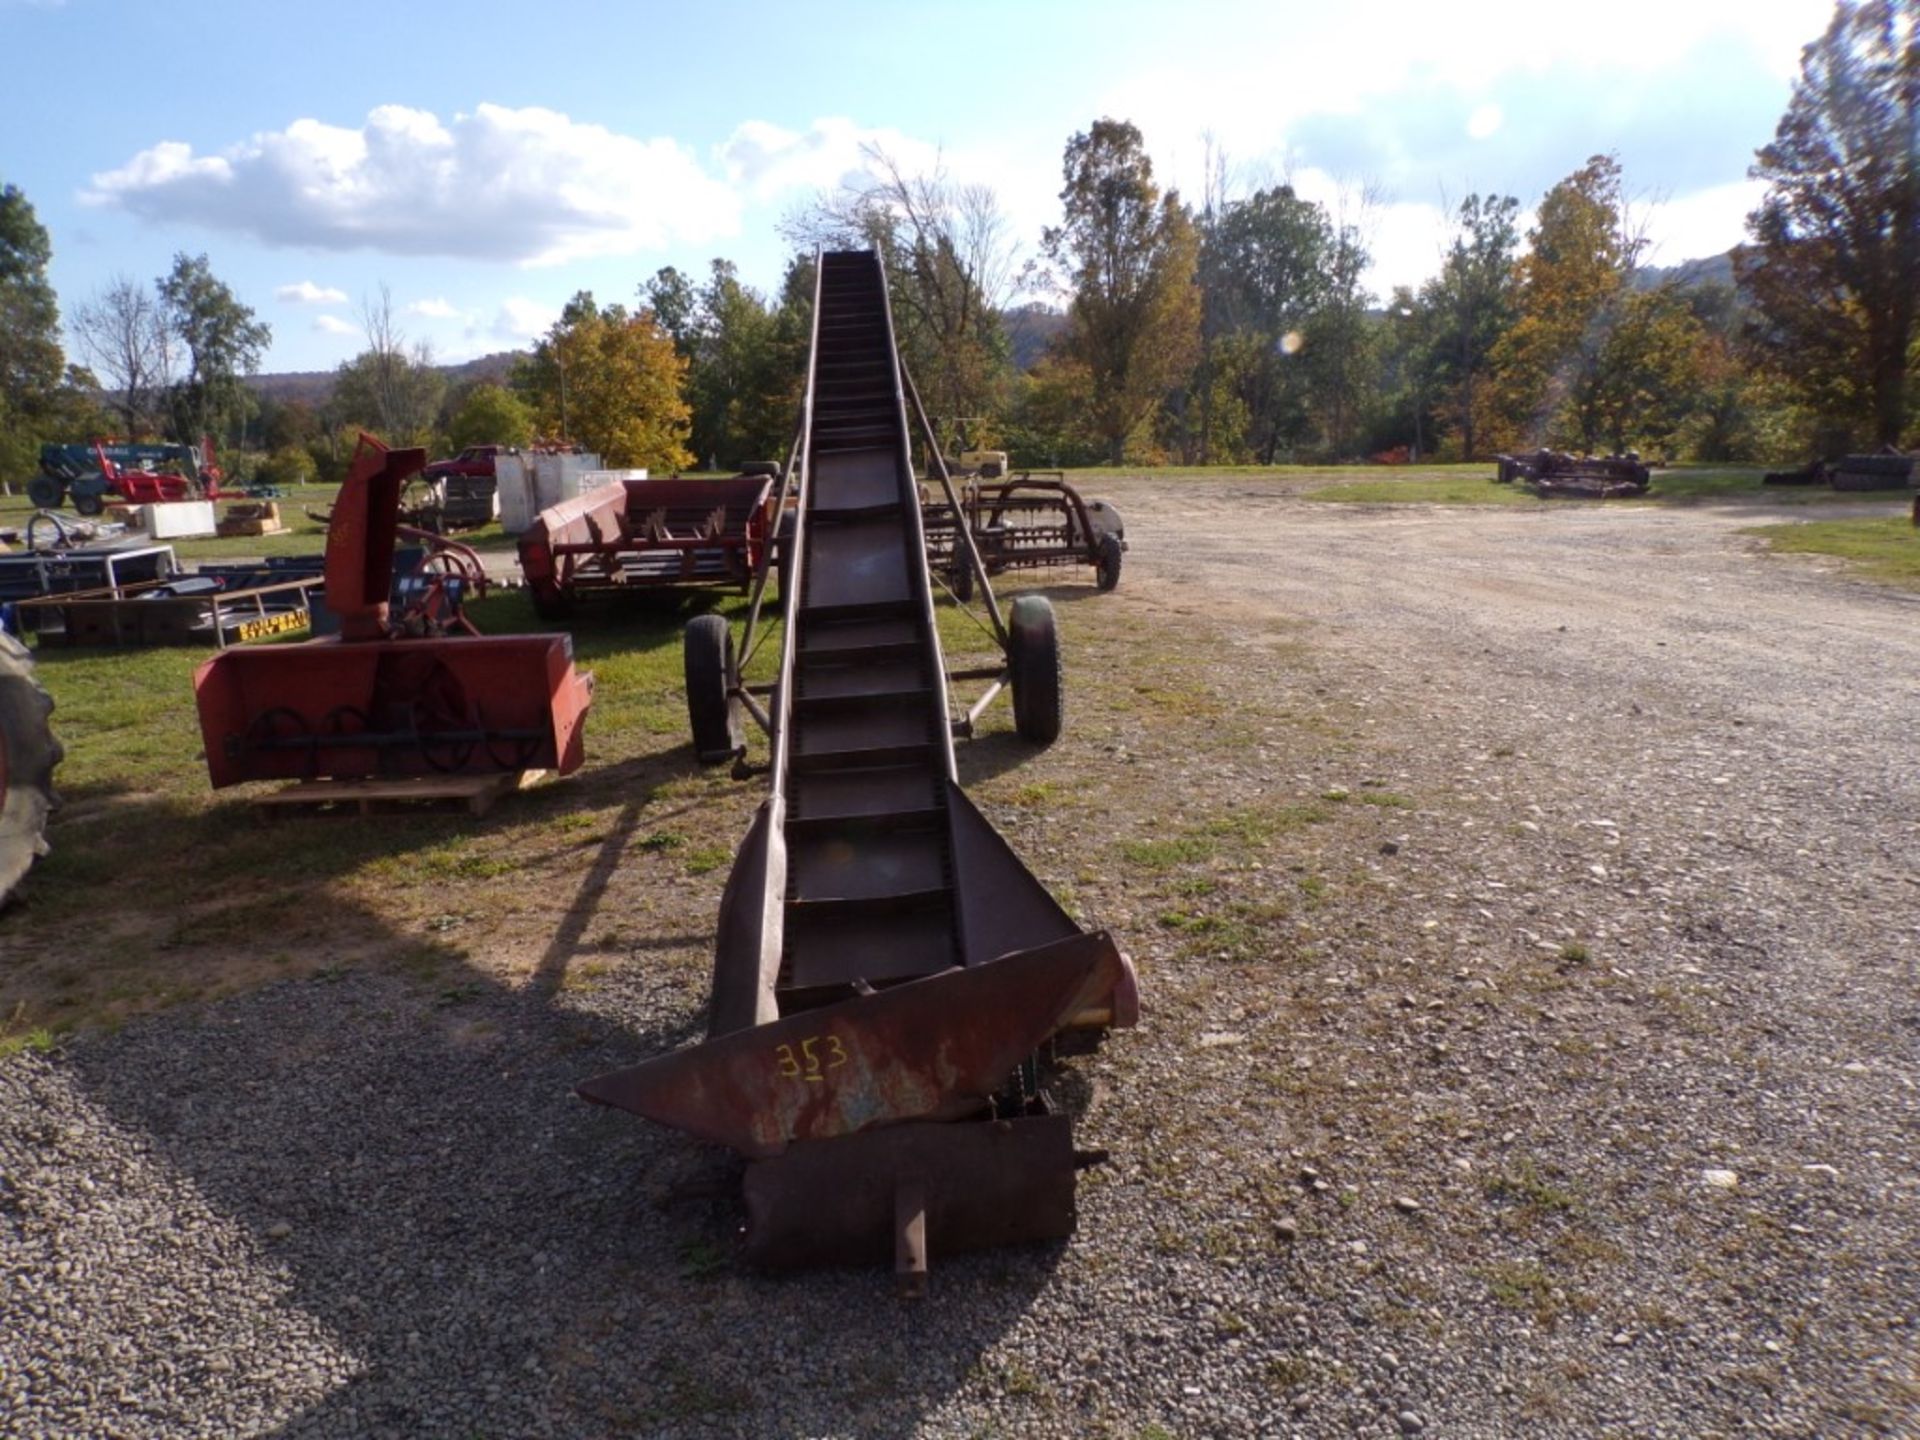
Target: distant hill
1712, 270
315, 387
1030, 330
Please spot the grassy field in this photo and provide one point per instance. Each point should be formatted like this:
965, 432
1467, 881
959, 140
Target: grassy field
1474, 485
1886, 549
159, 891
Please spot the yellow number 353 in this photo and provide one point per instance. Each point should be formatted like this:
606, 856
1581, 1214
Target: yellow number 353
808, 1062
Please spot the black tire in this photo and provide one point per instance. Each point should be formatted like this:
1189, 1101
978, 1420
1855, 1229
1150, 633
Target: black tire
960, 578
711, 710
552, 605
1033, 657
1107, 555
28, 753
46, 492
761, 467
89, 502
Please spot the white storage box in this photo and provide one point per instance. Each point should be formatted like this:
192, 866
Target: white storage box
177, 519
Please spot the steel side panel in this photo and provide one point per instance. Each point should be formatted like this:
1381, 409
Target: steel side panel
746, 955
1003, 908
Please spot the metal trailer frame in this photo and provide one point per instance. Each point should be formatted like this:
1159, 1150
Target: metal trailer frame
649, 535
376, 701
145, 614
1031, 520
1554, 474
105, 570
889, 979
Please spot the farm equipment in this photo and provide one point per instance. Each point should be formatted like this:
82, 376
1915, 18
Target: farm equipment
1553, 474
642, 535
889, 980
393, 696
140, 474
1888, 470
28, 753
1033, 520
60, 559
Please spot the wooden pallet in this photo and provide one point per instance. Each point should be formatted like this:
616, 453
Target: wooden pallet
368, 797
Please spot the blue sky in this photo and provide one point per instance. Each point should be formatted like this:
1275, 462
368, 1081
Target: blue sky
485, 160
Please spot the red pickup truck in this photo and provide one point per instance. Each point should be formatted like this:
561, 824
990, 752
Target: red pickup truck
474, 463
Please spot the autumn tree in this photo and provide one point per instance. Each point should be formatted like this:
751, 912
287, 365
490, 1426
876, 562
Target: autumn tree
490, 415
1568, 286
1469, 306
611, 380
1130, 256
1834, 270
742, 364
1644, 378
220, 341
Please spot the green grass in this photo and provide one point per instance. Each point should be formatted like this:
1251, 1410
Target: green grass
1474, 485
1881, 549
1417, 485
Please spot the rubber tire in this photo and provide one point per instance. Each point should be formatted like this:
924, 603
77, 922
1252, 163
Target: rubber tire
1107, 554
46, 492
553, 607
761, 467
711, 712
86, 504
1033, 658
28, 753
960, 579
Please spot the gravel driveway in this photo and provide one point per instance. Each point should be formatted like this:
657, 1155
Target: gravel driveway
1528, 921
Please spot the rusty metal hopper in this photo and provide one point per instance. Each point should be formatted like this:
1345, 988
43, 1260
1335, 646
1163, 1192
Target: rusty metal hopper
369, 704
886, 970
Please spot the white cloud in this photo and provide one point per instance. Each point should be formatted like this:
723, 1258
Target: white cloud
1484, 120
434, 309
521, 319
769, 161
308, 293
530, 186
1708, 222
333, 325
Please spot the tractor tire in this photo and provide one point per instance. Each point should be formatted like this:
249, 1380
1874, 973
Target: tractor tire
1107, 554
1033, 657
89, 502
28, 753
711, 710
761, 467
960, 579
46, 492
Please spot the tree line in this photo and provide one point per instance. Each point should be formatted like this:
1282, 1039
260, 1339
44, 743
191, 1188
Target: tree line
1236, 329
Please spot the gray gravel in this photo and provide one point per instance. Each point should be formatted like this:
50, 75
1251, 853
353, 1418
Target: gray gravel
1575, 1095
